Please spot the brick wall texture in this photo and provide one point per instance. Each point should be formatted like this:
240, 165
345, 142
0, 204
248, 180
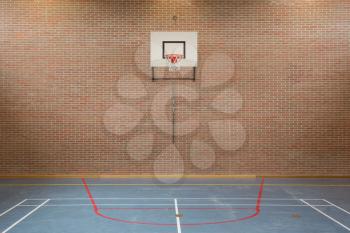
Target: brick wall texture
272, 95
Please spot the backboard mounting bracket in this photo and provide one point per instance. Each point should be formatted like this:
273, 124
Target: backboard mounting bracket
192, 78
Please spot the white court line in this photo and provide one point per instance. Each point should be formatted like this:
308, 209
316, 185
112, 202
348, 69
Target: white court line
326, 215
310, 199
178, 223
265, 205
38, 199
169, 198
24, 217
3, 213
336, 206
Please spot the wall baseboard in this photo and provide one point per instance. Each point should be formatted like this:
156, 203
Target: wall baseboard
148, 176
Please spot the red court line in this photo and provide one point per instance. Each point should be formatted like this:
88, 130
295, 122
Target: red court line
98, 213
180, 208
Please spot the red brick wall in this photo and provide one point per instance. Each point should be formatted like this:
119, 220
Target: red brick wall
272, 95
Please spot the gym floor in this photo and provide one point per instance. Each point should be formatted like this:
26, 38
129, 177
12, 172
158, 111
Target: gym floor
194, 205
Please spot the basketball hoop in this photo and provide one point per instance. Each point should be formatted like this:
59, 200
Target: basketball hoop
174, 61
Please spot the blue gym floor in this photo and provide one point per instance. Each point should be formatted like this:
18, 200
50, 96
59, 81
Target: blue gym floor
193, 206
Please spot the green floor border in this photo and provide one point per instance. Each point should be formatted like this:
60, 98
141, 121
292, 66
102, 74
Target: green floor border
149, 176
179, 185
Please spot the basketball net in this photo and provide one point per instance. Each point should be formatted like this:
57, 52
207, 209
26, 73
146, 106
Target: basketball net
174, 61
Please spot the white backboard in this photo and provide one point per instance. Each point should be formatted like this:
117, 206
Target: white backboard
184, 43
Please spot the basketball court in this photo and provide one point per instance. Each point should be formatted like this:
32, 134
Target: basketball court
174, 116
143, 205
